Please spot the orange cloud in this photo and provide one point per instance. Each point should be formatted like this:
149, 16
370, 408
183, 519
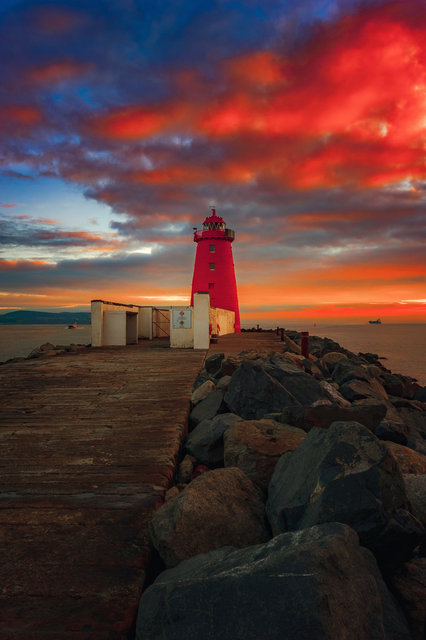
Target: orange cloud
262, 68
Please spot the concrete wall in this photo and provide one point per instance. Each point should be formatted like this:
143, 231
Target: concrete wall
145, 323
181, 328
201, 320
225, 321
188, 327
114, 323
213, 320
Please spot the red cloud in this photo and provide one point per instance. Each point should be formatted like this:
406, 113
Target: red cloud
57, 20
346, 108
130, 122
20, 114
57, 72
8, 205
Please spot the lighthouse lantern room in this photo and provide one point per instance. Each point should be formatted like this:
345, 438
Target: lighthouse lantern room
214, 266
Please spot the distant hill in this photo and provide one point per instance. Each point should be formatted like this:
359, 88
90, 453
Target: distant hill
43, 317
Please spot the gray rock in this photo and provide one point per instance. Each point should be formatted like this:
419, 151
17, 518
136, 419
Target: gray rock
393, 384
212, 363
202, 391
370, 415
206, 409
415, 424
392, 432
254, 446
201, 379
416, 491
316, 584
420, 395
220, 507
252, 392
321, 479
359, 389
334, 395
300, 385
223, 383
185, 470
409, 585
205, 443
229, 365
346, 370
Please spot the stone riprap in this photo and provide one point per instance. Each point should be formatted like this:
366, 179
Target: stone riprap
338, 433
313, 584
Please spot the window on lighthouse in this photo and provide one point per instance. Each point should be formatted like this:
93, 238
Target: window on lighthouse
211, 266
212, 248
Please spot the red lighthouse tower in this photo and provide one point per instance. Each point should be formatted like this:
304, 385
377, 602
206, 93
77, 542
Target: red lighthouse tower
214, 266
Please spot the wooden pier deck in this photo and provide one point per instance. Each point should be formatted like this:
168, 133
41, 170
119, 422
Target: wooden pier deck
88, 444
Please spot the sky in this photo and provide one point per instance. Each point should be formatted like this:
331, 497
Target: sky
303, 123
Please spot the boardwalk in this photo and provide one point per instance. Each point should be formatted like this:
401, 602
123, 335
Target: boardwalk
88, 446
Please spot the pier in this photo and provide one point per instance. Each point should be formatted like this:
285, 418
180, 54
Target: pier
89, 445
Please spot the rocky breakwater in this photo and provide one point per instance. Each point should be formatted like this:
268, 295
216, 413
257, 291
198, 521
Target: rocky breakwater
299, 504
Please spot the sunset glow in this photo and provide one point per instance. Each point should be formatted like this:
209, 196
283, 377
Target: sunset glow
120, 127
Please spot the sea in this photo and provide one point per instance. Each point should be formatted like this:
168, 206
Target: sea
18, 341
403, 346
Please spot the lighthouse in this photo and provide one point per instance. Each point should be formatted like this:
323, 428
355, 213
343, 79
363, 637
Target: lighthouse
214, 266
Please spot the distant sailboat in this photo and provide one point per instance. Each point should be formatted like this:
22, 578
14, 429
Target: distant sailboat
378, 321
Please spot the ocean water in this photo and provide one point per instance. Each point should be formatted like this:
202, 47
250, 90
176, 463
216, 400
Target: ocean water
20, 340
403, 345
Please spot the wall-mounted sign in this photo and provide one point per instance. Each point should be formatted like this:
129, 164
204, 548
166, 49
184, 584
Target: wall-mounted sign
181, 318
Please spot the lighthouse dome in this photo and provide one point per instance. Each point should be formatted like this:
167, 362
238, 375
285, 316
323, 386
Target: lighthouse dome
214, 221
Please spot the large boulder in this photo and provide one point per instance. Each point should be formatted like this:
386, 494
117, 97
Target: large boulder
252, 392
334, 396
357, 389
345, 474
420, 394
206, 409
213, 362
322, 416
414, 420
254, 446
416, 491
316, 584
409, 461
205, 442
300, 385
346, 370
201, 392
409, 584
219, 508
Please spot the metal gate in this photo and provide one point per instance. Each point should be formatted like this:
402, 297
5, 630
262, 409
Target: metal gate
160, 323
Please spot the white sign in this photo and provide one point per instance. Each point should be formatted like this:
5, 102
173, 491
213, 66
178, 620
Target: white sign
181, 318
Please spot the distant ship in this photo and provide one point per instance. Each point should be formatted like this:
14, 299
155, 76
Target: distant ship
378, 321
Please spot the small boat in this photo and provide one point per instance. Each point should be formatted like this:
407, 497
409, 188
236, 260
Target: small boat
378, 321
73, 326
